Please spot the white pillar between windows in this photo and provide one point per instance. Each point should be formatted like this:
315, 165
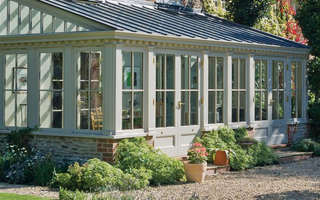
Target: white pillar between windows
250, 103
150, 122
227, 111
204, 90
287, 89
33, 89
117, 73
2, 73
305, 87
69, 98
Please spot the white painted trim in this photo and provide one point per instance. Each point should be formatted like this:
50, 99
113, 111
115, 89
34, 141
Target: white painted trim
69, 96
33, 89
250, 89
150, 91
204, 77
227, 111
118, 89
2, 78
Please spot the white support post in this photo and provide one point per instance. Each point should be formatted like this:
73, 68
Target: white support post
204, 90
227, 111
287, 89
33, 88
150, 92
250, 103
117, 73
69, 114
305, 99
2, 73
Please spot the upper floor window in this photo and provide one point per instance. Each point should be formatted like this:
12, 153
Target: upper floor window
296, 89
216, 90
51, 90
15, 90
238, 90
89, 90
132, 90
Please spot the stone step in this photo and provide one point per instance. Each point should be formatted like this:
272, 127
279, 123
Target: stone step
290, 156
216, 169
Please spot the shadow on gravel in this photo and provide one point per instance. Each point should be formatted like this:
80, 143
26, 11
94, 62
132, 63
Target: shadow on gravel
291, 195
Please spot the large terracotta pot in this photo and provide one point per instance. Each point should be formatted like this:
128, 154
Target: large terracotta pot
221, 158
195, 172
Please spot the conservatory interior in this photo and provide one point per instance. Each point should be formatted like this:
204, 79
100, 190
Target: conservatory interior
103, 71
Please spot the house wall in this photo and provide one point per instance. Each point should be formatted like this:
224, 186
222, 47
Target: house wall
74, 149
297, 132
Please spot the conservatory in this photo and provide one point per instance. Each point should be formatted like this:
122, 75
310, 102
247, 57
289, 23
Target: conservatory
92, 73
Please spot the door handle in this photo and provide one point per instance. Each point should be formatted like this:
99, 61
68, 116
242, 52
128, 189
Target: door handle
271, 102
179, 104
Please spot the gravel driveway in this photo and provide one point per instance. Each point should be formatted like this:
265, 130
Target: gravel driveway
296, 180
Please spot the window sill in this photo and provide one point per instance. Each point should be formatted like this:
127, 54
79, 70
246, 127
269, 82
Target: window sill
297, 121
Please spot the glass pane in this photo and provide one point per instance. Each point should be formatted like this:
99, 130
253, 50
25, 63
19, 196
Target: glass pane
257, 109
138, 71
184, 72
242, 109
59, 25
57, 119
211, 75
13, 23
275, 75
170, 72
170, 109
184, 108
234, 73
84, 71
95, 70
127, 69
281, 105
24, 20
83, 110
194, 108
96, 100
219, 106
21, 109
126, 110
242, 74
264, 74
299, 104
160, 109
160, 70
293, 104
299, 75
264, 105
219, 73
293, 75
45, 109
211, 110
22, 72
57, 66
235, 100
10, 71
9, 111
275, 106
138, 110
45, 71
47, 23
281, 75
257, 74
194, 73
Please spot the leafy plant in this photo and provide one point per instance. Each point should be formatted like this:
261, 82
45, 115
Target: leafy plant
64, 194
263, 155
136, 154
197, 154
21, 137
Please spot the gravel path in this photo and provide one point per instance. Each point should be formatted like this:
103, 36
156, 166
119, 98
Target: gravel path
296, 180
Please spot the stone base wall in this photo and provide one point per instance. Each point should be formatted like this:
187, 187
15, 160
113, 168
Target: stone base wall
297, 132
73, 149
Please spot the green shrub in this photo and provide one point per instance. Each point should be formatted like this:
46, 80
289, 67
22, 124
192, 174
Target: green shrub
305, 145
240, 133
96, 175
137, 154
72, 195
242, 160
263, 155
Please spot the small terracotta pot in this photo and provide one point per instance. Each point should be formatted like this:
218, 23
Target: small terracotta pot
195, 172
221, 158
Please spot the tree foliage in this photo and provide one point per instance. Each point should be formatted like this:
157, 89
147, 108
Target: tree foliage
247, 12
308, 17
314, 76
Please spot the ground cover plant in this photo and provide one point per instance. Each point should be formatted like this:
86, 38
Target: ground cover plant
308, 145
136, 154
225, 138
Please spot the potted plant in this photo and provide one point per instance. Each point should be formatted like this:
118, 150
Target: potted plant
196, 165
221, 157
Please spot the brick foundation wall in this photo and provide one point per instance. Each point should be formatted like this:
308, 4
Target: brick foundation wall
297, 132
72, 149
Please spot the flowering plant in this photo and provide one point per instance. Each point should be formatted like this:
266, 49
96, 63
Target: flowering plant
197, 154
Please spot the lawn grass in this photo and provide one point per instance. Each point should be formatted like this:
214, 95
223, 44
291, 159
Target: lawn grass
9, 196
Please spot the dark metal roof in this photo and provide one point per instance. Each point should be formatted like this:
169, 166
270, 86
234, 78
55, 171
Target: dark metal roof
145, 19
